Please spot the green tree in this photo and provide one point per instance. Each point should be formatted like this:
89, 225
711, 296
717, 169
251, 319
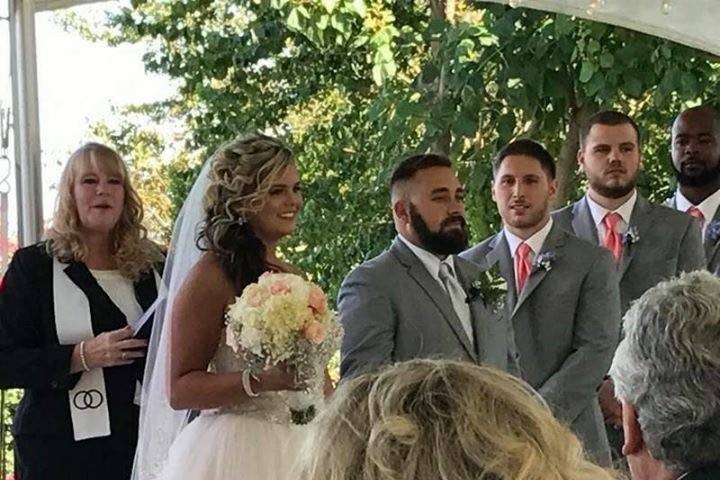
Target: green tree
355, 84
151, 139
9, 400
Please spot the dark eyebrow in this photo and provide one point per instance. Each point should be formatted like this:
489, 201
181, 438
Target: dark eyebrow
440, 190
627, 144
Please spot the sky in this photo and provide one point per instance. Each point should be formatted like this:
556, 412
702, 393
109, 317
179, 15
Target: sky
78, 83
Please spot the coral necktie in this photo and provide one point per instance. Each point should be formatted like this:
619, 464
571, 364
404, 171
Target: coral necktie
522, 265
612, 240
696, 213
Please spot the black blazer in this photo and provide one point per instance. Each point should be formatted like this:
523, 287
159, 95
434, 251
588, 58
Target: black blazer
32, 358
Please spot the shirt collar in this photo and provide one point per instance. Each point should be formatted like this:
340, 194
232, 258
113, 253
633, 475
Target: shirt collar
625, 210
430, 261
535, 242
708, 207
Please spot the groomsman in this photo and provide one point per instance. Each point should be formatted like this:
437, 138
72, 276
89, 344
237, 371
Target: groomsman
649, 243
696, 160
564, 296
411, 301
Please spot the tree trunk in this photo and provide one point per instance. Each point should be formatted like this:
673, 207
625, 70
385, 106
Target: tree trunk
439, 9
567, 159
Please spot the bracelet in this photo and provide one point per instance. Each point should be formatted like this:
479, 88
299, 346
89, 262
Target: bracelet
246, 375
82, 356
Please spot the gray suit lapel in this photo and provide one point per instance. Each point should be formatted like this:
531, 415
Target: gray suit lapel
500, 255
554, 240
478, 312
640, 220
435, 292
582, 222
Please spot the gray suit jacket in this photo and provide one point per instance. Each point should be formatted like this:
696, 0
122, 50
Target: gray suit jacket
669, 243
711, 242
393, 310
567, 324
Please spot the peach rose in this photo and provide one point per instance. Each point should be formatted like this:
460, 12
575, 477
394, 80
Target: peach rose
317, 300
256, 295
314, 332
279, 287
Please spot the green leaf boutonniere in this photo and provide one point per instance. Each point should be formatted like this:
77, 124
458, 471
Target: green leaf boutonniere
491, 287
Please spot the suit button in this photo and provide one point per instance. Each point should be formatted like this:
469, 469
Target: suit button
54, 384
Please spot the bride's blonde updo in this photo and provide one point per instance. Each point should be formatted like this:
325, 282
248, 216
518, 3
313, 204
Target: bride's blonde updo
241, 175
441, 420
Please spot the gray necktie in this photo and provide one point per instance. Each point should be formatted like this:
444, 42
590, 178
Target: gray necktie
458, 298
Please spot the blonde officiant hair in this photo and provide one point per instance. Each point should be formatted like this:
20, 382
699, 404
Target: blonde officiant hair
133, 251
441, 420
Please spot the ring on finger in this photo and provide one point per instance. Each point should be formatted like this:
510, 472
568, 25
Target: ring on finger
122, 355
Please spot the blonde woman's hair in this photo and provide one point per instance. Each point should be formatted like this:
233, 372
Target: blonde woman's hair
133, 251
242, 173
441, 420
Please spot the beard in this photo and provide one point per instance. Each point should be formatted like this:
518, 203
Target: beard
612, 191
443, 242
704, 178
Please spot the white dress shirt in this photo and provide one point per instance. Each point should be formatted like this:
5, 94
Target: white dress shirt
121, 291
707, 207
598, 213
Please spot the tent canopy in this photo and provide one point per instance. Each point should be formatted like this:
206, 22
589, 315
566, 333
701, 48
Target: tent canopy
695, 23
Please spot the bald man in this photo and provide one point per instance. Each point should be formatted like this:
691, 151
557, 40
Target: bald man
696, 161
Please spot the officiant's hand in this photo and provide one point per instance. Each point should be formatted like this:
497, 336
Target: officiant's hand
110, 349
277, 378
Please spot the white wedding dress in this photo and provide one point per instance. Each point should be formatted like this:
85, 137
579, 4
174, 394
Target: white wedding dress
253, 440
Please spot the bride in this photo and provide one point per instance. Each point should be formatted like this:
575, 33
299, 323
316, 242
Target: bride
252, 197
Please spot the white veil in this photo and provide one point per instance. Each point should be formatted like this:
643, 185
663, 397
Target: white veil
159, 423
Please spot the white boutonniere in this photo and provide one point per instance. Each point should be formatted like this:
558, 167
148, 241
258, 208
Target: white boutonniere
632, 236
545, 261
491, 287
713, 230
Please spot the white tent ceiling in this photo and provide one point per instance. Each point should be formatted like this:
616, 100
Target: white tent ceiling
695, 23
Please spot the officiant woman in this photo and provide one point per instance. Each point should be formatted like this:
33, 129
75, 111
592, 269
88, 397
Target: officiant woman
65, 306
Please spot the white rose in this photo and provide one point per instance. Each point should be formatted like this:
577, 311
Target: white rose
251, 339
235, 310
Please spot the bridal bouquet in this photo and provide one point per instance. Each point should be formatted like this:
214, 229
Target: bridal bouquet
285, 318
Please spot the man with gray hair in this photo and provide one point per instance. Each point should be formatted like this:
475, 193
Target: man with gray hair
667, 376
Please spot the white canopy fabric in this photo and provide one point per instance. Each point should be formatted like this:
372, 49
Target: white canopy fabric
695, 23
